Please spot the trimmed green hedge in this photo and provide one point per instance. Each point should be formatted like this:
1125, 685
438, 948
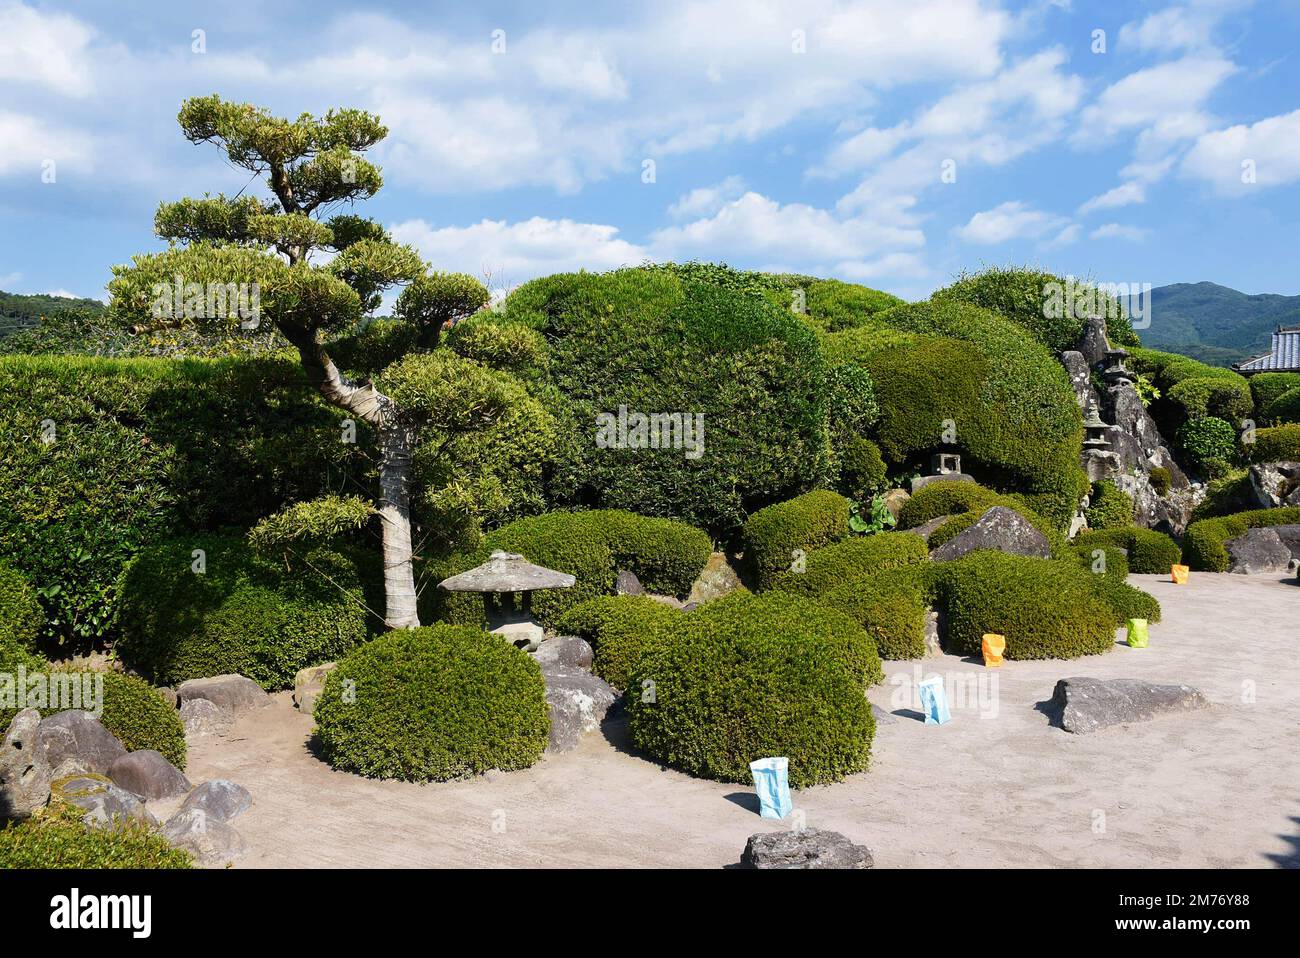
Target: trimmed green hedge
1149, 552
1266, 387
1205, 542
56, 838
1047, 609
1284, 409
21, 616
1126, 601
856, 558
259, 617
1277, 444
752, 676
433, 704
592, 546
664, 341
772, 535
1111, 507
141, 449
1208, 441
619, 628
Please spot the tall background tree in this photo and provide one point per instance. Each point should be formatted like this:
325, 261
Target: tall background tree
296, 262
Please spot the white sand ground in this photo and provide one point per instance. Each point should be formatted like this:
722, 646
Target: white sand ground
1218, 788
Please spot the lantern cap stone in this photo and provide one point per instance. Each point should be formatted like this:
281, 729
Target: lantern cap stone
507, 572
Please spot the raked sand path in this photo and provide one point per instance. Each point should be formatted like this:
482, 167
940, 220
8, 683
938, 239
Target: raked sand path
998, 786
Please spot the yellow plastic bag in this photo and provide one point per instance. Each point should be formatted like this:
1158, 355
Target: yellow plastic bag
1179, 573
1137, 633
993, 646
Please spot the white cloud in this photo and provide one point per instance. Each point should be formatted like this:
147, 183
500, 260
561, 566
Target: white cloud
9, 280
707, 200
1068, 235
62, 294
1167, 97
754, 227
48, 49
1119, 231
1272, 145
511, 253
1174, 28
1122, 195
29, 143
1008, 221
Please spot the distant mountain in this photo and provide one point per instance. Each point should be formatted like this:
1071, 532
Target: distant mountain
1216, 324
19, 311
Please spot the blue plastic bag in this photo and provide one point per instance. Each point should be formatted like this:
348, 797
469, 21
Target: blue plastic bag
934, 701
772, 783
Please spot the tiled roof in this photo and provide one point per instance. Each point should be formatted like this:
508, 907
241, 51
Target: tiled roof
1285, 356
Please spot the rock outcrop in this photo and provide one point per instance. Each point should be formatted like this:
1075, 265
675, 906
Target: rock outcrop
806, 848
1085, 705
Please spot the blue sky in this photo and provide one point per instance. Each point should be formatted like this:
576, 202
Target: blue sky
810, 136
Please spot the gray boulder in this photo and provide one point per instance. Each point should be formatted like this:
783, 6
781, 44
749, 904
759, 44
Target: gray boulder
1275, 484
24, 776
1290, 537
577, 701
1093, 341
106, 805
73, 742
999, 528
808, 848
201, 717
628, 584
212, 842
308, 685
1086, 704
564, 650
1080, 378
219, 800
147, 774
1258, 552
230, 693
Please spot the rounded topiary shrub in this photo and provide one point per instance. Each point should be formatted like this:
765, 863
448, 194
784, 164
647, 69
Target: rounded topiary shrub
1285, 408
753, 676
1047, 609
1208, 440
1278, 444
1111, 507
890, 607
21, 616
259, 617
1205, 541
852, 560
433, 704
1266, 387
772, 535
619, 628
1149, 551
658, 342
56, 837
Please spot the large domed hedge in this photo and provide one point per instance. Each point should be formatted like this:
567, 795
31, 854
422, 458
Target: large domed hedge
433, 704
752, 676
246, 613
662, 341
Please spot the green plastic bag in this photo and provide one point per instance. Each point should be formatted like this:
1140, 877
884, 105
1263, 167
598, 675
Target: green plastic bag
1137, 633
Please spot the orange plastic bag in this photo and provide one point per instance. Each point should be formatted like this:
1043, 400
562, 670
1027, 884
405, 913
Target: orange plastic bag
1179, 573
993, 646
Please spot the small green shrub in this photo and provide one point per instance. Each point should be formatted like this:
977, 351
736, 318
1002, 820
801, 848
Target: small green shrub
772, 535
1208, 440
664, 554
619, 628
1149, 552
751, 676
1205, 542
890, 607
1227, 399
1160, 478
433, 704
1278, 444
256, 616
1266, 387
850, 561
966, 502
1111, 507
1047, 609
1284, 409
56, 838
21, 616
514, 348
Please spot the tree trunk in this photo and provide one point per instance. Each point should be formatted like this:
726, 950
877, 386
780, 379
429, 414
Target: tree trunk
396, 443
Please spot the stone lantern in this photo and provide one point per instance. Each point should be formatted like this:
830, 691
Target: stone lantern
1094, 430
508, 581
1113, 370
945, 464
